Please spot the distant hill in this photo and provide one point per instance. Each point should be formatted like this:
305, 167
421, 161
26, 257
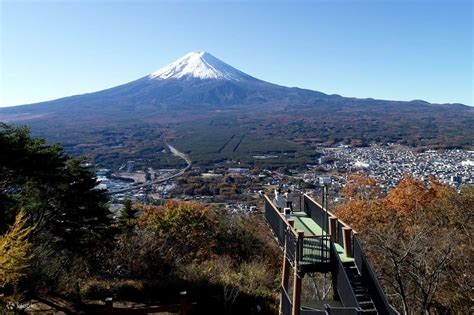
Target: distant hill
174, 102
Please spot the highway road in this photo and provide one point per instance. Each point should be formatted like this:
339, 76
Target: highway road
175, 152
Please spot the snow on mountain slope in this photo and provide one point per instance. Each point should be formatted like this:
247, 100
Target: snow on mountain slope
201, 65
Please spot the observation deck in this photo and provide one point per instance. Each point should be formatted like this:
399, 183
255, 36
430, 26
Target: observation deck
315, 240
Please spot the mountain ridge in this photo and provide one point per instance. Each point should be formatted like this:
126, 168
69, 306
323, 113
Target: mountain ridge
203, 66
184, 100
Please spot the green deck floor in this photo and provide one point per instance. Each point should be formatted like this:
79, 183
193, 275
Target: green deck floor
309, 227
306, 224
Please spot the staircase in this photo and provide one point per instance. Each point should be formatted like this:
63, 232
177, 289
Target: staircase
360, 289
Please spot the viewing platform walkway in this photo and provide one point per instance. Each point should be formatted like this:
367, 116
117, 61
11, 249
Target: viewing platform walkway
302, 222
315, 240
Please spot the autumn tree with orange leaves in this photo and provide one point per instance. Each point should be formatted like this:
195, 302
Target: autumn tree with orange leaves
188, 228
418, 236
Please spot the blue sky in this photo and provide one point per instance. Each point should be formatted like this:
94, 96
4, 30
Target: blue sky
399, 50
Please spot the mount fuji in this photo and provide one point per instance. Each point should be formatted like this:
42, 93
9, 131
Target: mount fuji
199, 86
197, 81
200, 65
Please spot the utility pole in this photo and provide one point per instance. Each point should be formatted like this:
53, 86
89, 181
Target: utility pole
325, 181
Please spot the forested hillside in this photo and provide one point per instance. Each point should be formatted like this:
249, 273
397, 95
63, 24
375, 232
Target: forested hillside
419, 237
59, 242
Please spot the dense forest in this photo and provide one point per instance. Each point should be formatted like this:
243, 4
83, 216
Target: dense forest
289, 135
419, 237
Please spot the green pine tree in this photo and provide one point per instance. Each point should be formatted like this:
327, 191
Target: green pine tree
128, 212
58, 192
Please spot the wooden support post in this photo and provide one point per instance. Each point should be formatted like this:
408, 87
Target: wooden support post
301, 202
285, 277
297, 281
347, 241
184, 303
333, 228
109, 306
286, 273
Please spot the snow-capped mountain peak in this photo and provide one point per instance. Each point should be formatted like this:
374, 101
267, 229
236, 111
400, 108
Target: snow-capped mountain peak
201, 65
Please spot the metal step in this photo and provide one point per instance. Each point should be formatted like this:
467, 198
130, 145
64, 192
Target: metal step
363, 297
357, 284
367, 306
361, 292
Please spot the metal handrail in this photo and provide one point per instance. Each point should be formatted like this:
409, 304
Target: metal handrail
316, 212
311, 253
329, 212
287, 305
291, 247
344, 287
316, 249
273, 221
279, 214
367, 271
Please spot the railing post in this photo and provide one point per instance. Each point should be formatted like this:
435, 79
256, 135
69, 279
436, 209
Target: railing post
286, 268
297, 281
347, 241
109, 306
333, 228
301, 201
184, 303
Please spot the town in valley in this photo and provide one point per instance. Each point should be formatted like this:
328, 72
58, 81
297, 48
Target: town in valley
237, 189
